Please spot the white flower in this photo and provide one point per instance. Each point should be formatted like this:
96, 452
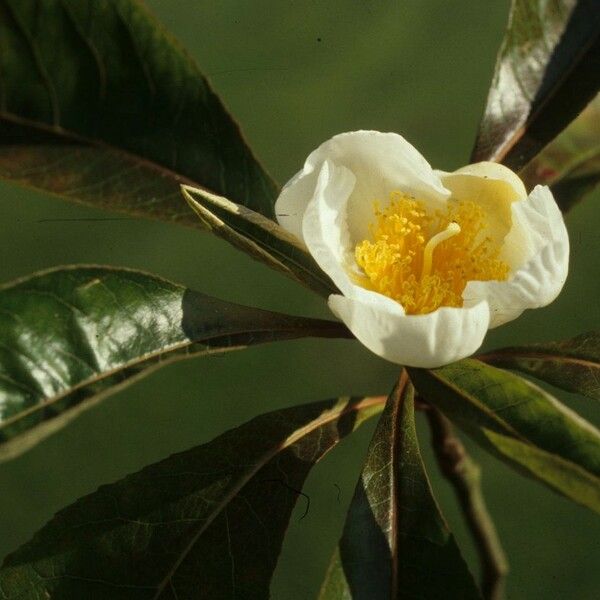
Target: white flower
426, 261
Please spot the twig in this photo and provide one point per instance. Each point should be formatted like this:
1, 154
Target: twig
465, 476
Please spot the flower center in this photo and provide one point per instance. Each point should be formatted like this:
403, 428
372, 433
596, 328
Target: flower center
424, 261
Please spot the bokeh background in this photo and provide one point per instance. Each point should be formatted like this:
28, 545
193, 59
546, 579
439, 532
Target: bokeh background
294, 73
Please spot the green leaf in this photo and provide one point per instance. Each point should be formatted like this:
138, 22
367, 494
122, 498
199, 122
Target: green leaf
396, 543
98, 103
206, 523
562, 475
571, 163
482, 399
261, 238
70, 336
572, 365
546, 72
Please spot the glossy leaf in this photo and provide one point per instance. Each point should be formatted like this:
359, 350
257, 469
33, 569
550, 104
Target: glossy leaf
261, 238
396, 544
203, 524
70, 336
482, 399
570, 164
98, 103
547, 71
573, 365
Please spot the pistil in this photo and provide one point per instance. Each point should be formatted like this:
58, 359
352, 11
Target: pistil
450, 231
423, 275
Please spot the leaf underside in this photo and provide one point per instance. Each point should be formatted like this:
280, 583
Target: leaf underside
261, 238
396, 544
70, 336
99, 104
203, 524
547, 71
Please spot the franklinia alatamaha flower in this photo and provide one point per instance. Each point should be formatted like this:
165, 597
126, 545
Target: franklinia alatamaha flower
426, 261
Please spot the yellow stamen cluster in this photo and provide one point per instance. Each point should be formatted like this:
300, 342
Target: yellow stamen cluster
424, 261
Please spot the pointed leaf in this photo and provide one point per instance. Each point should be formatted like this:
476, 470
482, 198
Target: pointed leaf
482, 399
99, 104
559, 474
547, 71
261, 238
70, 336
573, 365
206, 523
396, 544
571, 163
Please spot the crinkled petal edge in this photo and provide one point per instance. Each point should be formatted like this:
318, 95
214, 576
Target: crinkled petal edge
539, 280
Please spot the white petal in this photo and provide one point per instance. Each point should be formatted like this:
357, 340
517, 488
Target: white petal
431, 340
294, 197
493, 171
325, 227
539, 227
381, 163
494, 187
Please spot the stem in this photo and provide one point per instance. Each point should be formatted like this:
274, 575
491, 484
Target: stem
465, 476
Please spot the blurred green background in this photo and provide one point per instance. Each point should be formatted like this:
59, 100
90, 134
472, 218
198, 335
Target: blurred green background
294, 73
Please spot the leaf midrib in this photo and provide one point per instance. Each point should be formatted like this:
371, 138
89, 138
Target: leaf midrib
480, 406
399, 402
533, 116
140, 360
43, 74
279, 255
260, 463
101, 144
262, 243
171, 349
